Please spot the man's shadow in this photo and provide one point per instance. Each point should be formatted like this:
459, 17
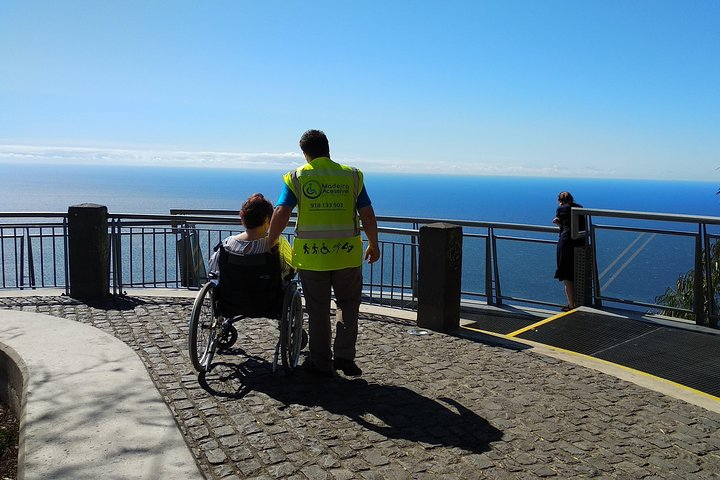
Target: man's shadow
391, 411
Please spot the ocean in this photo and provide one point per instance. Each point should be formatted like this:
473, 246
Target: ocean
133, 189
635, 266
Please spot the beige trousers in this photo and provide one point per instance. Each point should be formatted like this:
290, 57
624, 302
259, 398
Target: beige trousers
347, 285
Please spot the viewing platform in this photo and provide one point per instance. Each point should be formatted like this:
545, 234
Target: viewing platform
473, 372
461, 404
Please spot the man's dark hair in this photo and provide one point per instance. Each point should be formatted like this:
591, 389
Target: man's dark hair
315, 144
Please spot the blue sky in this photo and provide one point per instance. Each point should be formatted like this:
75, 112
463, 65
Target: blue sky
612, 88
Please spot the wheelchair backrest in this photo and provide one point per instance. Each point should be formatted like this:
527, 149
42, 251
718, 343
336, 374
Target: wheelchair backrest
250, 285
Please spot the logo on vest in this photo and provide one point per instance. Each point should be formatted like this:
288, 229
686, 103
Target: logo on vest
312, 189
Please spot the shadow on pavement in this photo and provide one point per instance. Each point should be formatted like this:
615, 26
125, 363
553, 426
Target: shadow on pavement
392, 411
114, 302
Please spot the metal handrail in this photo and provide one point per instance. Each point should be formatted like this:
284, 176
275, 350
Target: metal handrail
143, 249
703, 290
576, 212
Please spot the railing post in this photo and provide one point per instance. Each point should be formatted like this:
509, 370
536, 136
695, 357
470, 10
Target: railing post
489, 269
496, 267
439, 277
31, 260
413, 263
21, 283
88, 251
711, 314
698, 290
116, 256
66, 255
583, 275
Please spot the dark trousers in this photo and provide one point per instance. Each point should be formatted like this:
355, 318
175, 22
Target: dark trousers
347, 285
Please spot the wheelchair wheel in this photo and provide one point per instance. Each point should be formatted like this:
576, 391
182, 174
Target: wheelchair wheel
202, 339
291, 328
228, 338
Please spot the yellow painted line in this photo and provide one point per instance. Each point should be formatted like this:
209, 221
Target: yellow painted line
600, 360
640, 372
541, 322
486, 332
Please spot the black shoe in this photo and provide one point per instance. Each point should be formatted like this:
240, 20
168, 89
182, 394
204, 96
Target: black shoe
310, 367
348, 367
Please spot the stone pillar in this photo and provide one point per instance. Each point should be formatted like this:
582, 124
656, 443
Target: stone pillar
88, 251
439, 275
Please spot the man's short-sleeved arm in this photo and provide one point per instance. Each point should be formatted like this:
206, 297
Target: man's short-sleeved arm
363, 199
287, 198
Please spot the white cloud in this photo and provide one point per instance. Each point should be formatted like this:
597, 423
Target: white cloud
112, 156
276, 161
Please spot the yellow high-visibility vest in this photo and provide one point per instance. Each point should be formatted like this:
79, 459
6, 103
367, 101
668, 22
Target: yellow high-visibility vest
327, 234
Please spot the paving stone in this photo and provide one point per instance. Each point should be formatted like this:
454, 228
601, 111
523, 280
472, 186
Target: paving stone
281, 470
315, 472
374, 457
199, 433
436, 407
216, 456
341, 474
272, 456
249, 467
240, 454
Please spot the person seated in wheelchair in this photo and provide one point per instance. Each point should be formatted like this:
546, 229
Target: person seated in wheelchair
255, 288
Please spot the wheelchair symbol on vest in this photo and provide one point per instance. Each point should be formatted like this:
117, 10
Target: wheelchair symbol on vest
324, 250
312, 189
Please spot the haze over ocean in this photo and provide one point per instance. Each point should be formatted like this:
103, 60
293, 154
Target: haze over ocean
133, 189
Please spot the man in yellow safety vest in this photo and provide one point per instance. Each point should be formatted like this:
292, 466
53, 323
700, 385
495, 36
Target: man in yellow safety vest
327, 250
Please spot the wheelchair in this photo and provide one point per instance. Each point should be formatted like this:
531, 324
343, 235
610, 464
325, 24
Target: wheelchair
249, 286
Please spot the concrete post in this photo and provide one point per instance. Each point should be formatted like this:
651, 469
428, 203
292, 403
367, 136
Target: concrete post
88, 252
439, 275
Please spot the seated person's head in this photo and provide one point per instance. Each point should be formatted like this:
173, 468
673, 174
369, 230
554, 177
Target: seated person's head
256, 211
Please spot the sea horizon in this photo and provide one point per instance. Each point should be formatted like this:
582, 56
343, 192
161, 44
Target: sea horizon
498, 198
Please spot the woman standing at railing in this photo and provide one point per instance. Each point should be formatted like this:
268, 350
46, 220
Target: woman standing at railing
566, 247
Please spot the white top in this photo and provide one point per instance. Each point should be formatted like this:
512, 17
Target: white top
249, 247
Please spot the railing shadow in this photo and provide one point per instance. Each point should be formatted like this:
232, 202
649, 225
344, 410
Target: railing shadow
392, 411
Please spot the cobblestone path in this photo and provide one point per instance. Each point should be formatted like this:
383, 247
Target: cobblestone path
435, 407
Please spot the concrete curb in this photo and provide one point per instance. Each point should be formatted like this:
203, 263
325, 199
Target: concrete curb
92, 411
14, 378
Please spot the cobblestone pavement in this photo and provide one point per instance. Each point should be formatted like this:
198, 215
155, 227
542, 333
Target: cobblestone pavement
434, 406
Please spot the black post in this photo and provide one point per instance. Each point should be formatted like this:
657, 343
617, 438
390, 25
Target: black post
89, 256
439, 277
698, 290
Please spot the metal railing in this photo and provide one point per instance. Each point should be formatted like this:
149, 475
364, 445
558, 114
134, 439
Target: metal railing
502, 262
692, 249
33, 250
172, 250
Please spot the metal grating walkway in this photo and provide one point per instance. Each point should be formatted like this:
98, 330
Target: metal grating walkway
687, 357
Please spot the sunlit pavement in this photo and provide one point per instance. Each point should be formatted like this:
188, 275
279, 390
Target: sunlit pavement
427, 406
